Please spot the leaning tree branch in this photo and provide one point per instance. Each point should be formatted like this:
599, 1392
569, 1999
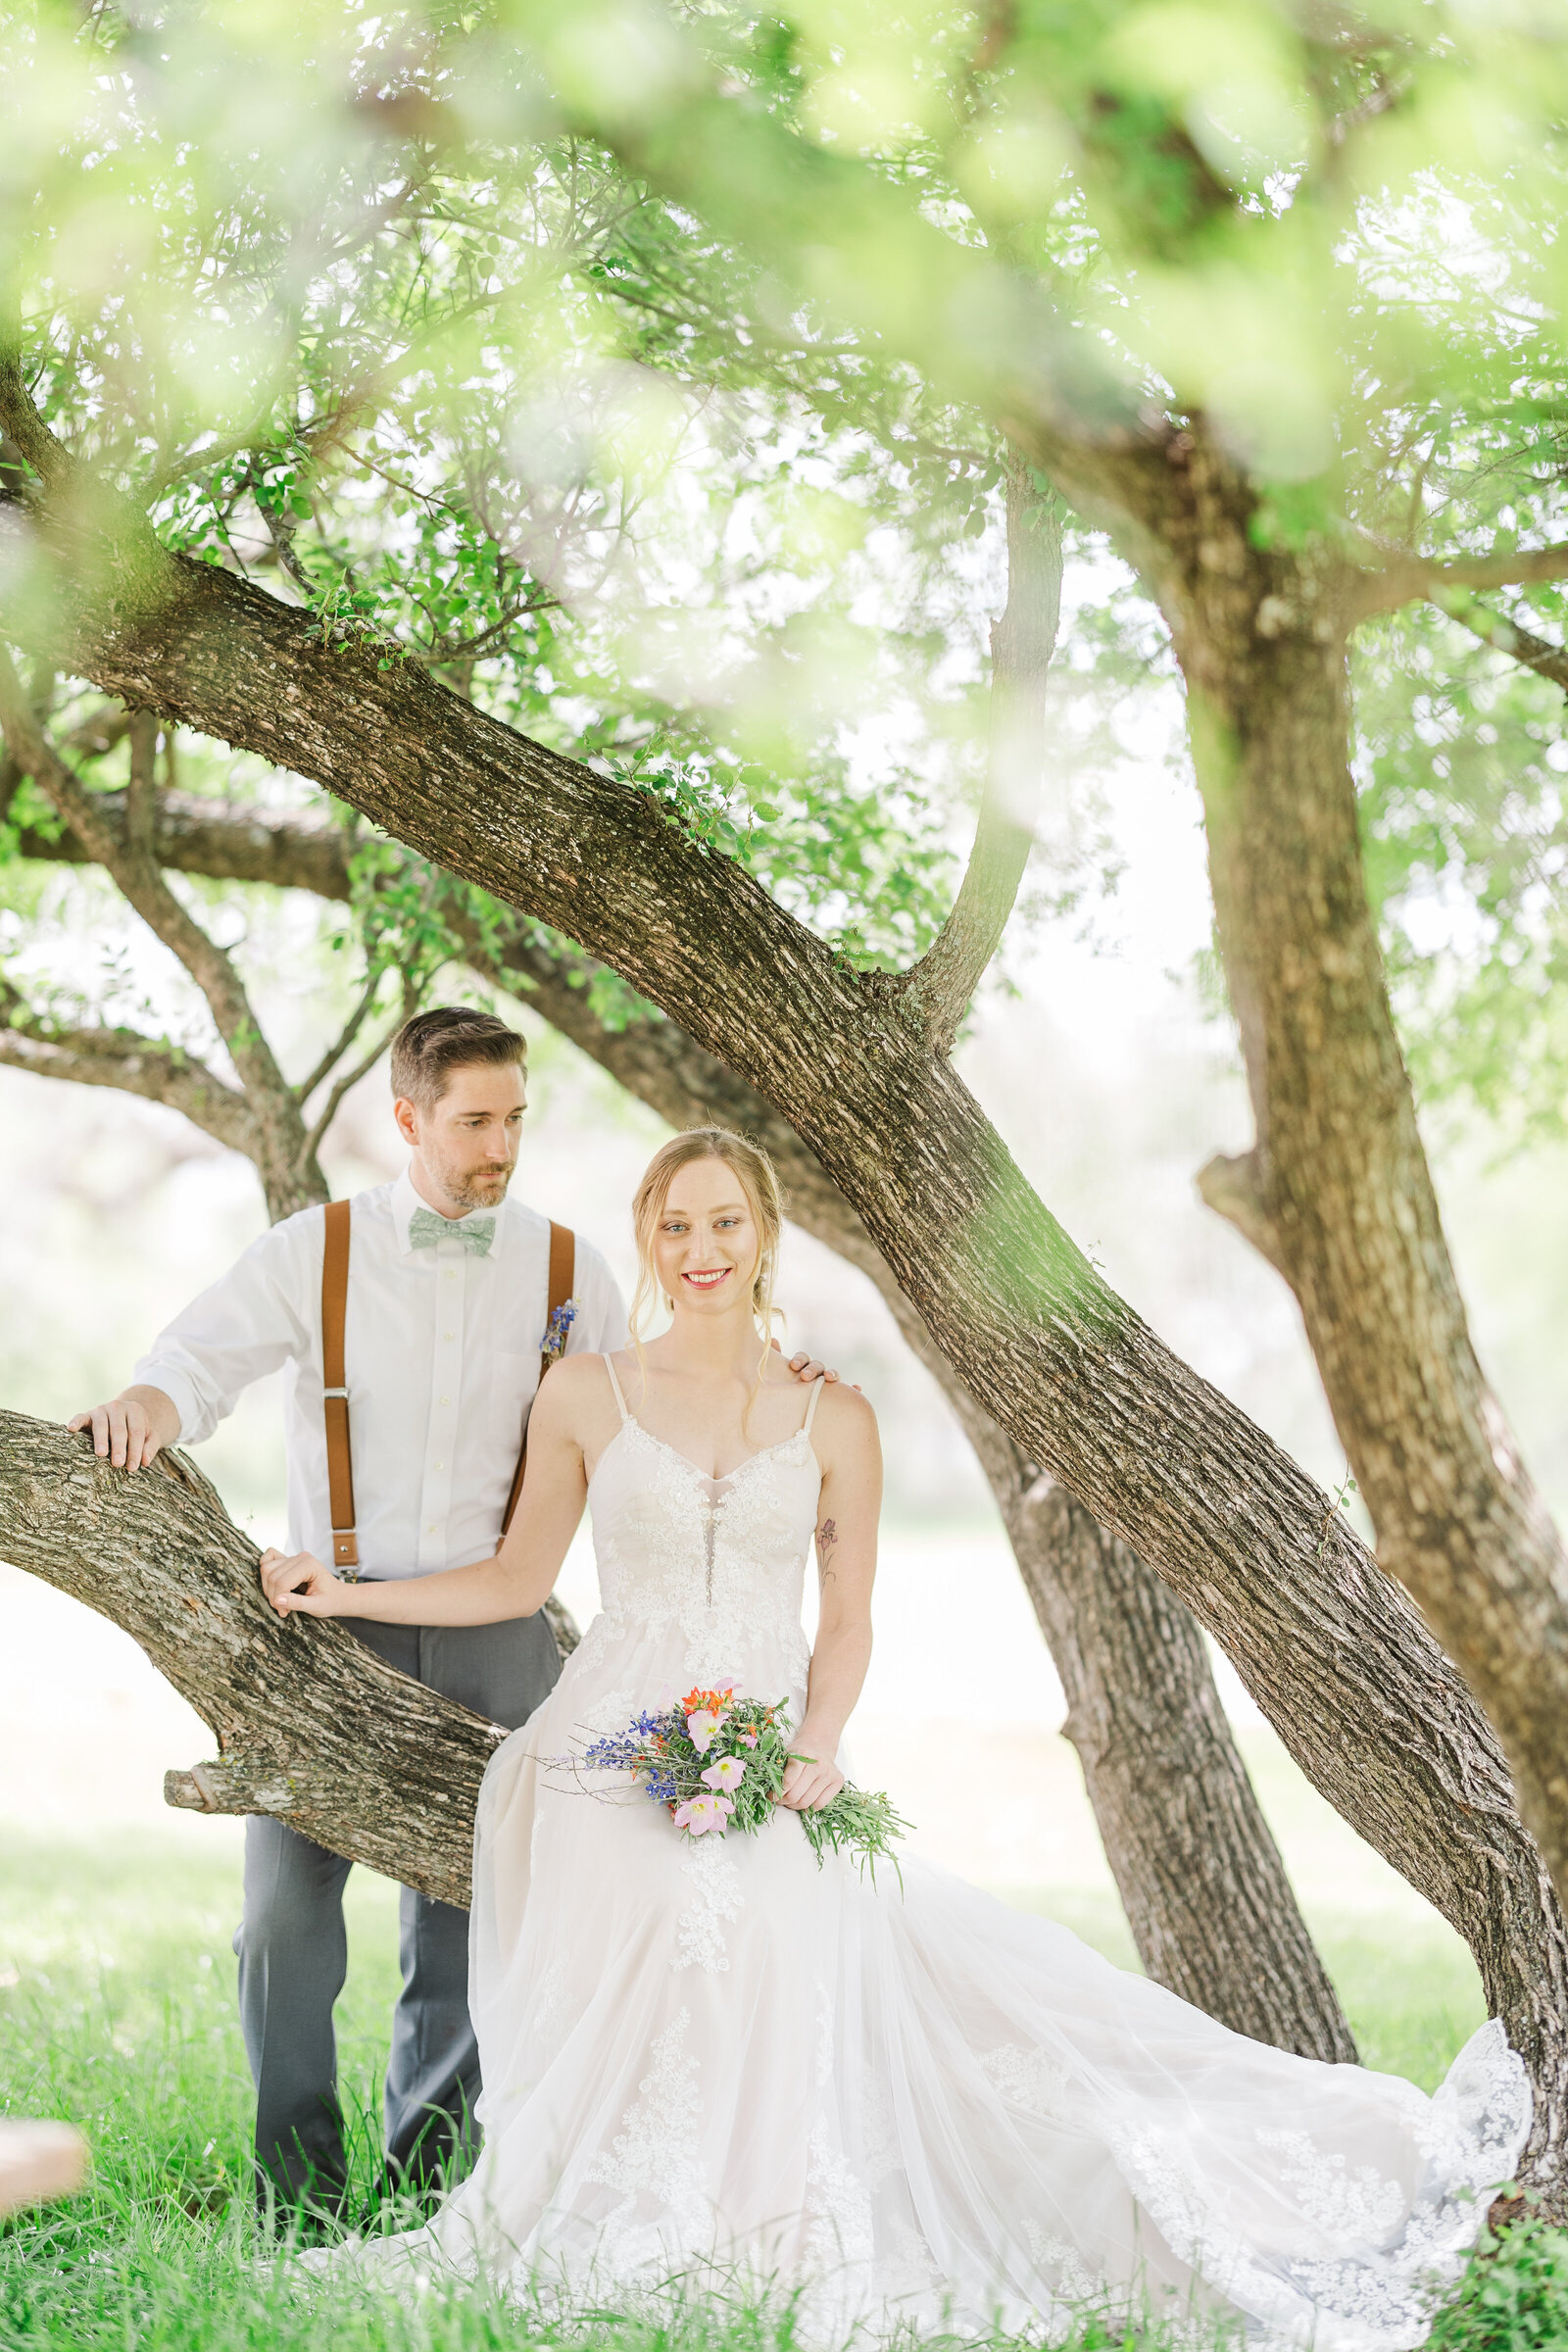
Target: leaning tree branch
311, 1725
939, 988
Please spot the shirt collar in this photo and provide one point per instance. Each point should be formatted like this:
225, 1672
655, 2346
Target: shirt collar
405, 1201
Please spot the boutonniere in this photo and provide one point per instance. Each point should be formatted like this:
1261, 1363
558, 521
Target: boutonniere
558, 1331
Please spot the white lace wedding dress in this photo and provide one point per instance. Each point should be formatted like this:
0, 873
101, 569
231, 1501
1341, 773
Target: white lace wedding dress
912, 2103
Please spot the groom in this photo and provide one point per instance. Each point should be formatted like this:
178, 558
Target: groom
439, 1336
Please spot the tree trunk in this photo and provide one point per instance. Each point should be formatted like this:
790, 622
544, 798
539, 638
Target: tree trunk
1337, 1192
1333, 1652
1201, 1880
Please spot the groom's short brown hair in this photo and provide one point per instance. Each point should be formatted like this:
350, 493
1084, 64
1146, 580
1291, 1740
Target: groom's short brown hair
429, 1048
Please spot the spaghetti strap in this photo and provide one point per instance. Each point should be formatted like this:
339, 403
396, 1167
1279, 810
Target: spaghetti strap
615, 1385
817, 1385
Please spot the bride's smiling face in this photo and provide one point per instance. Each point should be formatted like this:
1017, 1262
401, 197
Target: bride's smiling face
706, 1243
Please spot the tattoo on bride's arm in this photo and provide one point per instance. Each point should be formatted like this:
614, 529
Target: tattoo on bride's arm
827, 1535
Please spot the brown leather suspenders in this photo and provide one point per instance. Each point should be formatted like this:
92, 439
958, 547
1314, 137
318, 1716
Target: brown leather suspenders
334, 1313
562, 1274
339, 1457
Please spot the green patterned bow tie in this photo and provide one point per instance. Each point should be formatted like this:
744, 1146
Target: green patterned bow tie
425, 1228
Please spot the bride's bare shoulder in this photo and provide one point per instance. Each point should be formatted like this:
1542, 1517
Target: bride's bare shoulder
845, 1416
576, 1383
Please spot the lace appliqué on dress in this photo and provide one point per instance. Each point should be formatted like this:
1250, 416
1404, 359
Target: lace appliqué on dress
1361, 2206
612, 1713
1029, 2080
1072, 2280
545, 2029
838, 2210
705, 1565
1377, 2294
656, 2161
700, 1937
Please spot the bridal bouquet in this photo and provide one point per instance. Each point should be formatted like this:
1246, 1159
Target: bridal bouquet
717, 1763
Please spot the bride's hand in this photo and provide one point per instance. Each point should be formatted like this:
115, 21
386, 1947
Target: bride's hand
300, 1583
810, 1781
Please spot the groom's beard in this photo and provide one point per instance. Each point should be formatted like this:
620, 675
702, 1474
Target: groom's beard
474, 1188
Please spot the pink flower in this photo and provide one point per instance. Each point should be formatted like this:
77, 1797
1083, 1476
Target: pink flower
700, 1814
703, 1728
747, 1739
728, 1773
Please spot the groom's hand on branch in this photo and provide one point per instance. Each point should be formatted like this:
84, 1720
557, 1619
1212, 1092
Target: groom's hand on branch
131, 1430
297, 1582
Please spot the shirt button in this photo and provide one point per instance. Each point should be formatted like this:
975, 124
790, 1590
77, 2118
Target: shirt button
431, 1530
446, 1335
446, 1400
452, 1273
440, 1466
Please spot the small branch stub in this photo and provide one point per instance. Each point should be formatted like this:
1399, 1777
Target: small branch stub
1232, 1189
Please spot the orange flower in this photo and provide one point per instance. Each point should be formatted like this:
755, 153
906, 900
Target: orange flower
714, 1701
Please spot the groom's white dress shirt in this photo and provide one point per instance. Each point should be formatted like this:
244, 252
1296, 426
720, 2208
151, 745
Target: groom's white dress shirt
441, 1359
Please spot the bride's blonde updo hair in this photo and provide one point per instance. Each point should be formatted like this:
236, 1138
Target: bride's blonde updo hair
754, 1173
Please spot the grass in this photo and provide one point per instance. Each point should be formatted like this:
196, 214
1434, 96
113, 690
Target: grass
117, 2011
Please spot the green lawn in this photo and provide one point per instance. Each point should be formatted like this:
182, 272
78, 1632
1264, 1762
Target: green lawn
117, 2011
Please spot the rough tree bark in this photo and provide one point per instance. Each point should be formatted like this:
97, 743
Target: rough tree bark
311, 1725
1334, 1653
1211, 1907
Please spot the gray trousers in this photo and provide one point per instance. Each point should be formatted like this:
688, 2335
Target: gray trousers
293, 1956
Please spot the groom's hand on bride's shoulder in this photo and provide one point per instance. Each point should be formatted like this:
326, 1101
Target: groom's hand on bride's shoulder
297, 1582
807, 1368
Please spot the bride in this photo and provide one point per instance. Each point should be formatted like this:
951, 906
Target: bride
905, 2102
